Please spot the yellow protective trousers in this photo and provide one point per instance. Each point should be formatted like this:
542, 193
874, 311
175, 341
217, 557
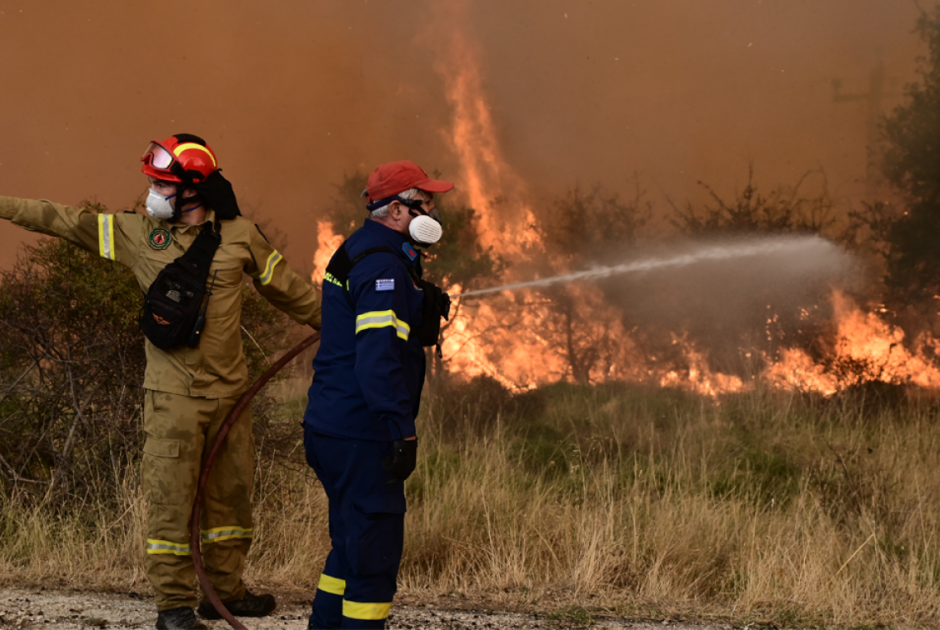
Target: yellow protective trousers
180, 430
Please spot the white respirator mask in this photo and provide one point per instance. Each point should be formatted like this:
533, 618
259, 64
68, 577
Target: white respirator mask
160, 207
425, 230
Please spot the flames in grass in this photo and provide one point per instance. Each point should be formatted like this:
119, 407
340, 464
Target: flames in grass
524, 339
865, 348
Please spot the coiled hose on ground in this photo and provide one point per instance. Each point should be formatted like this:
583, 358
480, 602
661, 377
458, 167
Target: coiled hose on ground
194, 534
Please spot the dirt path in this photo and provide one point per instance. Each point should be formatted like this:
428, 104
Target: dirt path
73, 610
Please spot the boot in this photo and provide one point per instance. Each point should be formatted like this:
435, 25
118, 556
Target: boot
181, 618
250, 605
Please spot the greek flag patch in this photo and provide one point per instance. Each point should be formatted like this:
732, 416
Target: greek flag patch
387, 284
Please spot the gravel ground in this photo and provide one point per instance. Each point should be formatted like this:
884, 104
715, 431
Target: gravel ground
60, 610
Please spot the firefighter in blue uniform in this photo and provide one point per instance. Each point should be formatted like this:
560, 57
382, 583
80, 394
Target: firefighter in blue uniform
359, 426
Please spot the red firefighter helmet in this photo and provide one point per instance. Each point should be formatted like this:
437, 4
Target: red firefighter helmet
182, 158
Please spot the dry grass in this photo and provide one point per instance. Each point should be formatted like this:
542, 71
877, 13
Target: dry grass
764, 508
97, 548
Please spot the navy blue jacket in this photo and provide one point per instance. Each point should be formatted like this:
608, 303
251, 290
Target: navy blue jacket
369, 369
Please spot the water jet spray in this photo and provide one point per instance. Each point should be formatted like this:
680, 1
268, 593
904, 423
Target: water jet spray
791, 246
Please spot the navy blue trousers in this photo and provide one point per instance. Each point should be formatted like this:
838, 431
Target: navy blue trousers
367, 517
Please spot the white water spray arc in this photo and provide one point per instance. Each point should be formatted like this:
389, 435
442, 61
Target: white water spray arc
797, 248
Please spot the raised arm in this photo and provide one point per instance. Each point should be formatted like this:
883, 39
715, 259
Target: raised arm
280, 285
111, 236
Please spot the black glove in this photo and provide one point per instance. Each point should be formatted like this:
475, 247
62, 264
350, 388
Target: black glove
401, 462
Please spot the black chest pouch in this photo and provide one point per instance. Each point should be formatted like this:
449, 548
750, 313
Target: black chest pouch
434, 305
174, 310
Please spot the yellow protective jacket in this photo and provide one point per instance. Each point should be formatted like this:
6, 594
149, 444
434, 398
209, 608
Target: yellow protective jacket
216, 368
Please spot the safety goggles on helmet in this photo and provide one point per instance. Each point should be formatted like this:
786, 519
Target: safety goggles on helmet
157, 157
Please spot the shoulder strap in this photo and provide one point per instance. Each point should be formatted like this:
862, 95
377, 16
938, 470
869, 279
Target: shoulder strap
341, 264
373, 250
198, 257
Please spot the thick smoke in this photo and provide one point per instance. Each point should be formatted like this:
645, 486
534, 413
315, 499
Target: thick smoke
295, 96
775, 291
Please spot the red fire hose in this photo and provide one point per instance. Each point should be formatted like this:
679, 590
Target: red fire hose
194, 534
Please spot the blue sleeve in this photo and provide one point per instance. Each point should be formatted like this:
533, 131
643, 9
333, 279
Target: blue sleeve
379, 286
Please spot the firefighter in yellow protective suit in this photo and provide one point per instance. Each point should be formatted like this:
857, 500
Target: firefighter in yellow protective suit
190, 390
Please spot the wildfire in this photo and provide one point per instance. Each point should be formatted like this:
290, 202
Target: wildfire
527, 338
327, 243
698, 377
866, 349
484, 174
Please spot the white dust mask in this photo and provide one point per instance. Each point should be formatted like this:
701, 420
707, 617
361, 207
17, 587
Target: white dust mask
425, 230
158, 206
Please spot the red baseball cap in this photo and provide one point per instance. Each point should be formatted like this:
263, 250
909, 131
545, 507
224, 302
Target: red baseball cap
397, 177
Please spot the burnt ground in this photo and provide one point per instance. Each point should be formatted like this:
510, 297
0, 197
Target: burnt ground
38, 608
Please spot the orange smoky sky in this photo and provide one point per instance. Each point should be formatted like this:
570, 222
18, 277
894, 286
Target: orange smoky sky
293, 95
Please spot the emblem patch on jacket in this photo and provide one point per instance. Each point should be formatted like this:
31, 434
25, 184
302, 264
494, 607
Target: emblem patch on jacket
159, 239
409, 250
387, 284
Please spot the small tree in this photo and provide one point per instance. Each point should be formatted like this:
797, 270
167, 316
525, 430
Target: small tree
728, 309
912, 166
584, 228
72, 365
785, 209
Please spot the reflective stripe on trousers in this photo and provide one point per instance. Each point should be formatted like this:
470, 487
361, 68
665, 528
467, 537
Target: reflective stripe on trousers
178, 429
165, 546
366, 531
228, 532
